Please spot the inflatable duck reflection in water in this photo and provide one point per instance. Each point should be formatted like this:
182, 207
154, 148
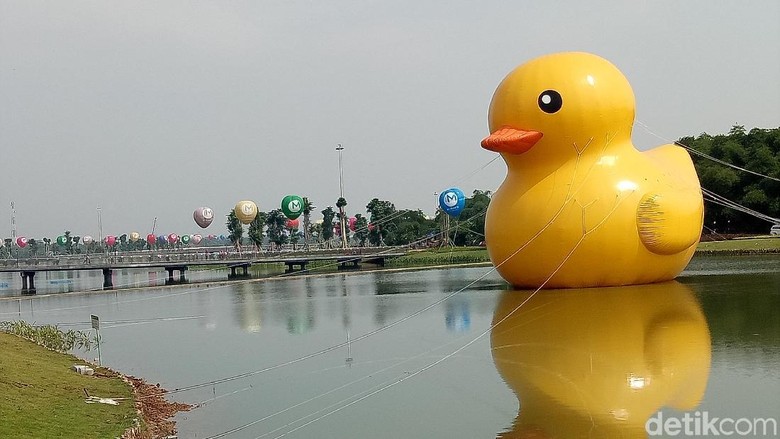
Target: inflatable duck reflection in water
599, 362
580, 206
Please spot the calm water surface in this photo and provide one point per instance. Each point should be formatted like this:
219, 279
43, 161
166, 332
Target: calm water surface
448, 353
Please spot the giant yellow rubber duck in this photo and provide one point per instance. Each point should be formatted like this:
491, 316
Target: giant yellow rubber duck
580, 206
600, 362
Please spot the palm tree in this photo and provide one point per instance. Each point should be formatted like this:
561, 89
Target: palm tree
342, 220
307, 208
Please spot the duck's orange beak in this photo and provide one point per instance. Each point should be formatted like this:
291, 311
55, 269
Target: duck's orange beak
511, 140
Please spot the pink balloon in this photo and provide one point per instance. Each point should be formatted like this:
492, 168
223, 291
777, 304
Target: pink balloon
203, 216
352, 223
21, 242
292, 224
110, 240
173, 238
196, 238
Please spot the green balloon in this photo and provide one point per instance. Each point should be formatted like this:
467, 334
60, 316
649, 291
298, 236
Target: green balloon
185, 239
61, 240
292, 206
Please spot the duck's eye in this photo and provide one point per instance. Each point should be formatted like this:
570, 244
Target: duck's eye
550, 101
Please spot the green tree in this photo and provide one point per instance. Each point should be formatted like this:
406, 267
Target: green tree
327, 224
7, 247
255, 232
758, 151
307, 209
341, 203
469, 228
381, 216
275, 223
361, 229
68, 243
34, 246
411, 226
235, 230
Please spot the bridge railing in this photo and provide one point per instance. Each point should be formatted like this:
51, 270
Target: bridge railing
208, 254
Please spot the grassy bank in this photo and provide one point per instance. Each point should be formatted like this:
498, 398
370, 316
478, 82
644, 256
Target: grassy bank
763, 244
468, 255
43, 397
479, 255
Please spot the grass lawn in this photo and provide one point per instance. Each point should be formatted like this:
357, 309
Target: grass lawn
41, 397
764, 243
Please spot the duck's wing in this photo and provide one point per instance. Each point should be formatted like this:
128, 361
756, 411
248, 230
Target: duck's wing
670, 219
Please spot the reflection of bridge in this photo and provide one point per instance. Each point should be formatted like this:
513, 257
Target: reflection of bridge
238, 263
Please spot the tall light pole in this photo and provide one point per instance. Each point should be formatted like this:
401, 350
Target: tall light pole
100, 226
13, 221
342, 213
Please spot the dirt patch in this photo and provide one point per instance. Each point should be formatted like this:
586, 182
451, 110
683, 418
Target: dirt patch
155, 411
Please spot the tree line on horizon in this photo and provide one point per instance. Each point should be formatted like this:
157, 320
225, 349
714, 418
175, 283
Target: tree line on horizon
385, 225
757, 151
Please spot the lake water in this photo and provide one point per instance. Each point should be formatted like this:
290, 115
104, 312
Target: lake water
446, 353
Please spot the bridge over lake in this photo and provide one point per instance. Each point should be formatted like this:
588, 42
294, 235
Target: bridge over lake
178, 262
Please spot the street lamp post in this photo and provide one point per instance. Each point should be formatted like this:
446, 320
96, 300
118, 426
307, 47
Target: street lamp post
342, 213
100, 226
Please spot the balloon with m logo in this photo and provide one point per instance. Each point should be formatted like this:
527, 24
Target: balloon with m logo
452, 201
292, 206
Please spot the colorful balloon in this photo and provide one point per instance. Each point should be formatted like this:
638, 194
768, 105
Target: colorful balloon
203, 216
87, 239
292, 224
579, 200
452, 201
196, 239
161, 239
245, 211
185, 239
62, 240
352, 223
173, 238
21, 242
292, 206
110, 240
151, 239
134, 236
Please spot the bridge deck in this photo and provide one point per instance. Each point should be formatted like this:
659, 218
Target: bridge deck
182, 261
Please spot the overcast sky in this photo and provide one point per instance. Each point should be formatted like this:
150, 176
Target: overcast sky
153, 108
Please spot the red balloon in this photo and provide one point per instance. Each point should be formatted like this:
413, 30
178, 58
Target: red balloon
173, 238
352, 223
292, 224
110, 240
151, 239
21, 242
